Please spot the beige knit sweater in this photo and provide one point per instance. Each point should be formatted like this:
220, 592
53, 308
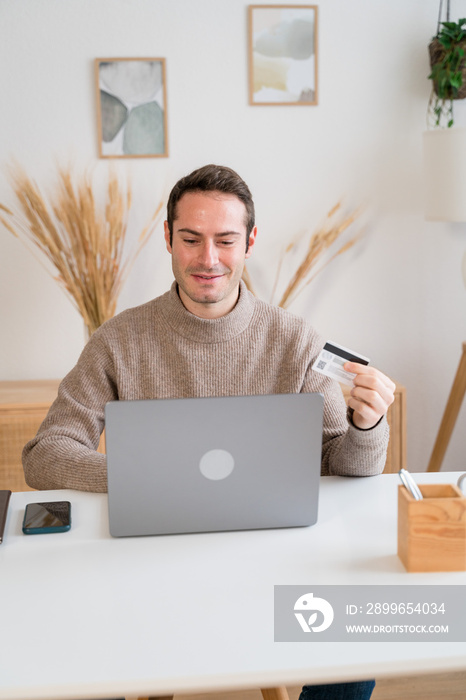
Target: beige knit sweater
160, 350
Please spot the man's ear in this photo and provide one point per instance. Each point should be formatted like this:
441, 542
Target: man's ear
252, 240
167, 236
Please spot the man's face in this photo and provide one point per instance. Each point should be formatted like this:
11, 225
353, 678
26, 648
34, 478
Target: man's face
209, 251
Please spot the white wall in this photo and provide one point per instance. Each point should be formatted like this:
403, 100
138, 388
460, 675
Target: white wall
398, 297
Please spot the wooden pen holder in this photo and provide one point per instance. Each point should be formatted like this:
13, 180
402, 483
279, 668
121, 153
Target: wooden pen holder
432, 532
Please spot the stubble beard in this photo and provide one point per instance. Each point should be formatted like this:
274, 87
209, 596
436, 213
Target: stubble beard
207, 296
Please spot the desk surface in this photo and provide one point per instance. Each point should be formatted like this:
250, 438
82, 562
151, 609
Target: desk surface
85, 615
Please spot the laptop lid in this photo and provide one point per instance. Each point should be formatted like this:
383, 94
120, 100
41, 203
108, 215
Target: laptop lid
213, 464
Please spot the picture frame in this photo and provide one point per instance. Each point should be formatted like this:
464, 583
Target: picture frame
131, 96
283, 55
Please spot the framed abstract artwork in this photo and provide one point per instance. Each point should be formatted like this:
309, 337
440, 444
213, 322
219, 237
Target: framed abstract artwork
283, 54
131, 107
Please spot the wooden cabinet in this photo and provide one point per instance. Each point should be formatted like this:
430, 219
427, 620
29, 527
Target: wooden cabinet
24, 405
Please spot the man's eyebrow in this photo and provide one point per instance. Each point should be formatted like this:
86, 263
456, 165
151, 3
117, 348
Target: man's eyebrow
199, 233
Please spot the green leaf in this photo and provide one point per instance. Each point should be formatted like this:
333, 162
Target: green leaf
454, 63
442, 86
450, 123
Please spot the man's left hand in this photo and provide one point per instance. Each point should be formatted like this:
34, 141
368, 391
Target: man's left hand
371, 395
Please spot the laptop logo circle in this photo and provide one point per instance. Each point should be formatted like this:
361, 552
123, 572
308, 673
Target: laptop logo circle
216, 464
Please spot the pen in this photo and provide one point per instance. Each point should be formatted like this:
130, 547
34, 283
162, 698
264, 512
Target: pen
462, 483
410, 484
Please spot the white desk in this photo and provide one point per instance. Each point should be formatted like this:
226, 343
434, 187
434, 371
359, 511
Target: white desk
84, 615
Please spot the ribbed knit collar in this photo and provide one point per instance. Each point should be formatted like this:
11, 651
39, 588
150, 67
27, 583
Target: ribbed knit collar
203, 330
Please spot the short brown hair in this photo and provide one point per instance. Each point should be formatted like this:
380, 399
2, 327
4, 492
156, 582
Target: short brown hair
212, 178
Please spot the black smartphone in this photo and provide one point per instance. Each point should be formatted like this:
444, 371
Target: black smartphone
42, 518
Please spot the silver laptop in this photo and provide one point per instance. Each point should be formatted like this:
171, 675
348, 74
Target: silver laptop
213, 464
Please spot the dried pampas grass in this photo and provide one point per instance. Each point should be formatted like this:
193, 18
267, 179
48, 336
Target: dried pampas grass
314, 259
83, 241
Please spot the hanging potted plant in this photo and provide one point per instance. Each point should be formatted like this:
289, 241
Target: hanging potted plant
444, 148
447, 52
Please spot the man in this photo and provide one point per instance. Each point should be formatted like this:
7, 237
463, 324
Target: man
207, 336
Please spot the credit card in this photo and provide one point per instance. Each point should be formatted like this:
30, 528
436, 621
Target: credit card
331, 359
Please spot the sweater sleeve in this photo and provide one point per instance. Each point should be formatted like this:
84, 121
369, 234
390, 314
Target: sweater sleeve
347, 450
63, 453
